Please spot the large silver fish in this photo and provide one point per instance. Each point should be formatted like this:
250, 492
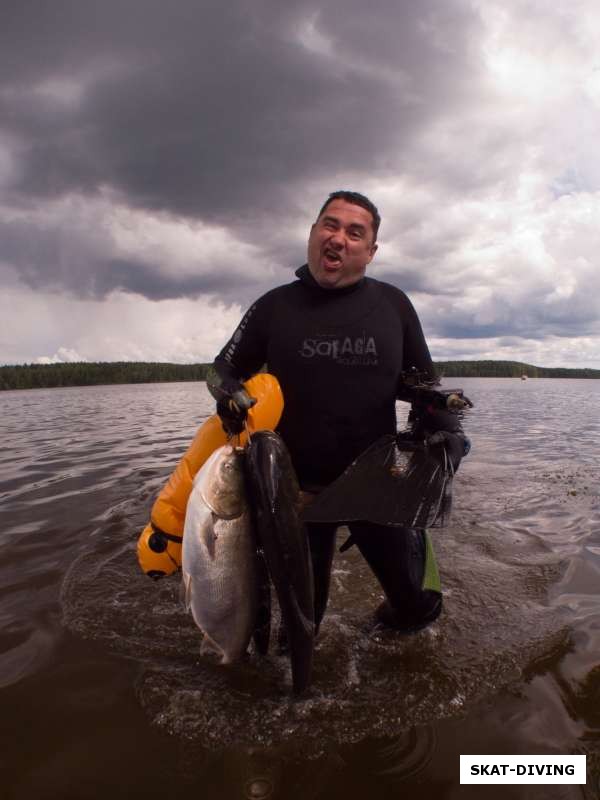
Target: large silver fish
220, 580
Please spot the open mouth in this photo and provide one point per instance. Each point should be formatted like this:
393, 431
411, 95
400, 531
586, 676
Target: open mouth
332, 258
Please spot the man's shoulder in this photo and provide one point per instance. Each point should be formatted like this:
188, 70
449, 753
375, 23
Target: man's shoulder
277, 291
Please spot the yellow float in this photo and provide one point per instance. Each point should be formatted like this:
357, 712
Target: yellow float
159, 545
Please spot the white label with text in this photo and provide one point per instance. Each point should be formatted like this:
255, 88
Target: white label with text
522, 769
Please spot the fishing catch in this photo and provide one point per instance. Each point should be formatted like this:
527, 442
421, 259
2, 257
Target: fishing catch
219, 563
241, 529
282, 538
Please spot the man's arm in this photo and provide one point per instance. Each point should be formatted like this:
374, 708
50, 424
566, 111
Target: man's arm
416, 356
432, 417
243, 355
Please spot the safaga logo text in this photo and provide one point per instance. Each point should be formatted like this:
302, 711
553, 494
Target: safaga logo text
361, 350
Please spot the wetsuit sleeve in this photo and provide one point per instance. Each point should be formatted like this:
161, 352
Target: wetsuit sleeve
424, 421
246, 352
416, 353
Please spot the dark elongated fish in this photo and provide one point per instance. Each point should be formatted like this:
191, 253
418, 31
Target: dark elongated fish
274, 495
262, 625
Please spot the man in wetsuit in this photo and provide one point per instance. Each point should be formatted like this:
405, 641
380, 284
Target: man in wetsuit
338, 341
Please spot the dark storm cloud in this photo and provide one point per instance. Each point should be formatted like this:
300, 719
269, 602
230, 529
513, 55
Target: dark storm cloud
219, 114
79, 265
420, 279
574, 319
146, 279
180, 150
219, 111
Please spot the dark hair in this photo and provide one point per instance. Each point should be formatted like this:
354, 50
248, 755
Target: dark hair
356, 199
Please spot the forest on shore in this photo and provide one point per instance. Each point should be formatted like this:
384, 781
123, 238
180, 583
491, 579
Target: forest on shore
508, 369
83, 373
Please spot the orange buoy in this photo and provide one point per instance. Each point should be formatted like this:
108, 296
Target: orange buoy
159, 545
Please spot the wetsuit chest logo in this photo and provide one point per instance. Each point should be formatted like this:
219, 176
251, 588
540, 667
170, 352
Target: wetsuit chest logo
346, 350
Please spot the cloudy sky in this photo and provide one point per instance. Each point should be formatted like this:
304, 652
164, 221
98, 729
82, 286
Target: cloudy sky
161, 163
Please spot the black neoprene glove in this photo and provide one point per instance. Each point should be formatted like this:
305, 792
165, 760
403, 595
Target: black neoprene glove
457, 445
233, 414
233, 402
436, 427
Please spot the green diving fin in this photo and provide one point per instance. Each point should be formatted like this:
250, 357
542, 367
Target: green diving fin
405, 484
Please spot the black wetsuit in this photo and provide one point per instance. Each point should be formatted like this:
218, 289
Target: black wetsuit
338, 355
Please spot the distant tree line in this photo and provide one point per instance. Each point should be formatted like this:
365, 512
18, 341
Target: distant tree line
508, 369
83, 373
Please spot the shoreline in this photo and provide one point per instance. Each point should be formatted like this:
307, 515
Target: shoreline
51, 376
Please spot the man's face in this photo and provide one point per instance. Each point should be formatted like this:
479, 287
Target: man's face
341, 245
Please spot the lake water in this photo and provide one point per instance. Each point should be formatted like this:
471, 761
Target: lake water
102, 689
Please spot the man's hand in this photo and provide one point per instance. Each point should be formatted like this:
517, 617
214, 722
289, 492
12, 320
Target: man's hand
233, 401
232, 407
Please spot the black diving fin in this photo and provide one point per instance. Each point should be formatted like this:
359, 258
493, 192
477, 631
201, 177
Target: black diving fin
402, 483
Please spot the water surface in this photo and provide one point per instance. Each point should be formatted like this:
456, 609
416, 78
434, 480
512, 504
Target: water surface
101, 683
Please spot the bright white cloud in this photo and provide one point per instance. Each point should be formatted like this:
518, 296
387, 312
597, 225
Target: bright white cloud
124, 327
554, 351
184, 246
63, 355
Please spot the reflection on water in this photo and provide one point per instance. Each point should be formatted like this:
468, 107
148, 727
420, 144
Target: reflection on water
99, 666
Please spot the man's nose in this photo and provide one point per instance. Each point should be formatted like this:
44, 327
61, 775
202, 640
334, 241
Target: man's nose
337, 239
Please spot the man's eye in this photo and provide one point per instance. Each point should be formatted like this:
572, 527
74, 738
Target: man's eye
355, 235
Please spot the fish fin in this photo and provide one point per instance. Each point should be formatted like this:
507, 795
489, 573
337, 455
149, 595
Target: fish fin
210, 647
211, 537
185, 590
